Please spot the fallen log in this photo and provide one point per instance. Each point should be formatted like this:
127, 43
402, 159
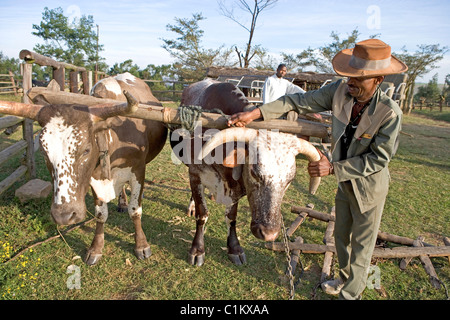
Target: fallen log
294, 257
298, 221
398, 239
328, 258
428, 266
313, 213
396, 252
170, 115
447, 243
381, 235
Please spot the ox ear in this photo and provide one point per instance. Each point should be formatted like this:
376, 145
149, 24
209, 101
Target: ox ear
235, 157
107, 124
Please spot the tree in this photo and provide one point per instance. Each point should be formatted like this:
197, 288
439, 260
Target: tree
254, 10
73, 42
126, 66
321, 57
419, 63
191, 58
8, 64
429, 92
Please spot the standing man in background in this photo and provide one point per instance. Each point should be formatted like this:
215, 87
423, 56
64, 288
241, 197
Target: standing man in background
275, 86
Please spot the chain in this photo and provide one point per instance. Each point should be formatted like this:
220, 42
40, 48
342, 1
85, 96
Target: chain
288, 258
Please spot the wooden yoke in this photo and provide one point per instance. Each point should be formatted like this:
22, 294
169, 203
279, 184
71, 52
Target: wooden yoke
170, 115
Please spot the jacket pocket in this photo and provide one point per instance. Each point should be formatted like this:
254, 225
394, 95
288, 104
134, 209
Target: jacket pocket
372, 189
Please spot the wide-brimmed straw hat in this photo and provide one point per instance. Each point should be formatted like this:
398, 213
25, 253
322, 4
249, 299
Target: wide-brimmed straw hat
369, 58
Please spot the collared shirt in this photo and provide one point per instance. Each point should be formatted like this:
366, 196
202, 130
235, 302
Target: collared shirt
275, 87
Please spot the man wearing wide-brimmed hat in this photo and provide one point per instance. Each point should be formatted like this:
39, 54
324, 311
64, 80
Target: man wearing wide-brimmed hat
365, 128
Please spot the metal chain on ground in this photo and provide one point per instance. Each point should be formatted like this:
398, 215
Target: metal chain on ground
288, 258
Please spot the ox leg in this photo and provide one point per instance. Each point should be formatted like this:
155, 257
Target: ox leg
197, 252
142, 248
190, 212
122, 205
94, 252
235, 252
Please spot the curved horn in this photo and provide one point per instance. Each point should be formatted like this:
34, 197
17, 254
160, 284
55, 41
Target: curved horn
306, 148
108, 110
227, 135
25, 110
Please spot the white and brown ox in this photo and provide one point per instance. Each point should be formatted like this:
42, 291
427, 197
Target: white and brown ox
259, 164
69, 140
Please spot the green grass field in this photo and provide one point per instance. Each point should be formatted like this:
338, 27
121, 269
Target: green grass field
417, 205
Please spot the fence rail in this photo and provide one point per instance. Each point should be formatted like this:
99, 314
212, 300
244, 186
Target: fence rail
8, 84
28, 142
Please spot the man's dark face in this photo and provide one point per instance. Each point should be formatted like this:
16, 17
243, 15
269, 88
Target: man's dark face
281, 72
362, 88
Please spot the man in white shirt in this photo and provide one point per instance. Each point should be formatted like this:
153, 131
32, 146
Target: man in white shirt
275, 86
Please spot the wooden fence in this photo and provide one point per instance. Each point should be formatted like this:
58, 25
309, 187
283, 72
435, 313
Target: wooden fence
28, 167
8, 84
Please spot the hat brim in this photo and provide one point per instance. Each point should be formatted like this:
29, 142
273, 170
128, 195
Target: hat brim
341, 65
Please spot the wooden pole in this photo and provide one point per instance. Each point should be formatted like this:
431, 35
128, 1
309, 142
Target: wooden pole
170, 115
396, 252
298, 221
328, 258
27, 123
428, 266
313, 213
59, 75
73, 81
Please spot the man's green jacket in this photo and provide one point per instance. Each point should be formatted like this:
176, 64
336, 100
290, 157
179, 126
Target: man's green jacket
373, 144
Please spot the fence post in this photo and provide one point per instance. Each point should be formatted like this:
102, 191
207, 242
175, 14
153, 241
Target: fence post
73, 81
59, 76
27, 123
13, 83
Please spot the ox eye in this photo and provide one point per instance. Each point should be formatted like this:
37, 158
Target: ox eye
86, 151
255, 172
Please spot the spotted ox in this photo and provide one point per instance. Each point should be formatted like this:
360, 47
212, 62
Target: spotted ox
236, 162
76, 160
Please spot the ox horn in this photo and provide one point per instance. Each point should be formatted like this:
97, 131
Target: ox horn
228, 135
25, 110
246, 135
105, 111
306, 148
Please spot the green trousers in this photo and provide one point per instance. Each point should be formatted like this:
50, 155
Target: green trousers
355, 237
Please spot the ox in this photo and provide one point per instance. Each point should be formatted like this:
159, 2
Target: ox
70, 142
263, 175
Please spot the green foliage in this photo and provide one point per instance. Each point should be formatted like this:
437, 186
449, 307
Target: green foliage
8, 64
430, 92
73, 42
321, 57
191, 58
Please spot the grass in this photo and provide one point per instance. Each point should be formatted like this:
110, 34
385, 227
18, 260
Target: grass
417, 205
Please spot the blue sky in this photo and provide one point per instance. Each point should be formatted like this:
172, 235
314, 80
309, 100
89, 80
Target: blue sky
133, 29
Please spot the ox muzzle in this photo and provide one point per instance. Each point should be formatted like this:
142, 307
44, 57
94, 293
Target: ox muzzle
67, 214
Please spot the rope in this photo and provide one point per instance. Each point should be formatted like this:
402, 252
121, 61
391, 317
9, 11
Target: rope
190, 115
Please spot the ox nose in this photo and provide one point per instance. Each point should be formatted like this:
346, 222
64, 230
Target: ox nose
67, 217
263, 232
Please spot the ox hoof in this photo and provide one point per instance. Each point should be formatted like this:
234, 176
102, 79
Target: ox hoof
143, 253
196, 260
238, 259
92, 258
